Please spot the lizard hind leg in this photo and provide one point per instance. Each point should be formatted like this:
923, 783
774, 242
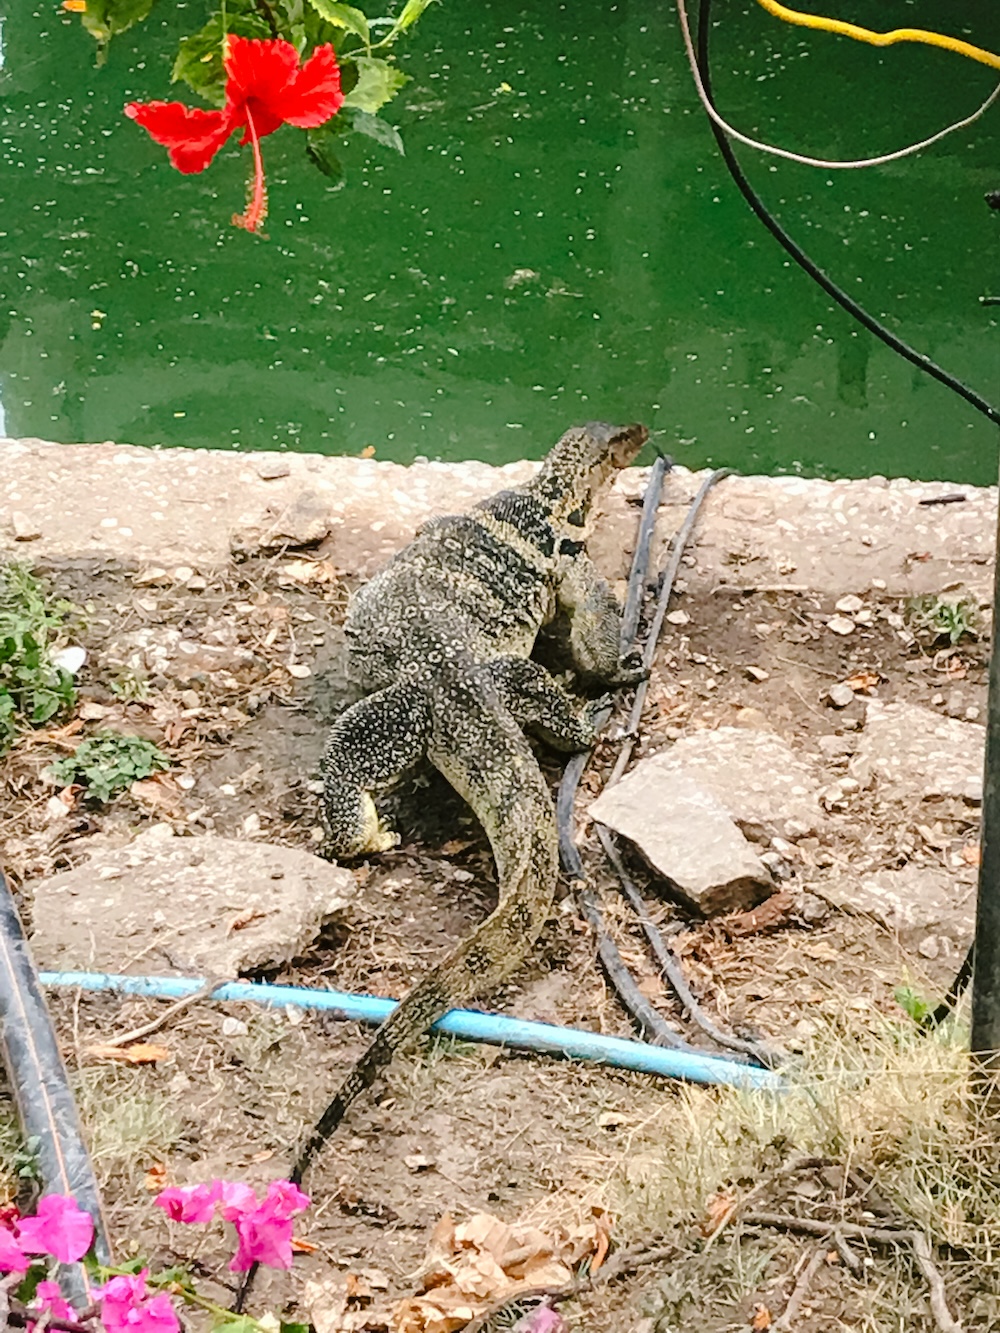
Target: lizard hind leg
540, 705
368, 747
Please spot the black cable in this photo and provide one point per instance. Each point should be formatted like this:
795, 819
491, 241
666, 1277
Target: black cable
873, 325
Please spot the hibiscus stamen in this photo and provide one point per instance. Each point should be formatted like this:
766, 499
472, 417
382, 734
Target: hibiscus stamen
256, 210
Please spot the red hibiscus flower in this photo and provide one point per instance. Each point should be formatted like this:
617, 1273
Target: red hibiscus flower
265, 88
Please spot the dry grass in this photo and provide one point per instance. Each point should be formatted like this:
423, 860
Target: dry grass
885, 1106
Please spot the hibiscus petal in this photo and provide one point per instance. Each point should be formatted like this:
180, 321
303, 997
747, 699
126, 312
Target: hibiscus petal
191, 135
259, 73
314, 95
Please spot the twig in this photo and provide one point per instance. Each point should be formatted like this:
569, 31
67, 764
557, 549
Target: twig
917, 1240
939, 1304
786, 1320
136, 1034
850, 1259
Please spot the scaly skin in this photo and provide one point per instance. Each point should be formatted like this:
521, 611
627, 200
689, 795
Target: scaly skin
440, 641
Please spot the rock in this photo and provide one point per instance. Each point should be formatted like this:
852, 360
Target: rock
914, 902
758, 779
208, 906
270, 469
685, 834
69, 659
840, 625
758, 673
677, 618
25, 528
303, 522
835, 747
919, 754
840, 695
849, 605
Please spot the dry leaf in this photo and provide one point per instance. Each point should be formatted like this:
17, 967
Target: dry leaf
863, 681
245, 919
718, 1208
308, 572
156, 1178
139, 1053
300, 1246
161, 794
486, 1261
761, 1321
972, 853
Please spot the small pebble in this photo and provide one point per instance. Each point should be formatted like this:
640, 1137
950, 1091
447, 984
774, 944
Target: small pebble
234, 1027
929, 947
849, 605
758, 673
840, 625
678, 618
299, 670
840, 695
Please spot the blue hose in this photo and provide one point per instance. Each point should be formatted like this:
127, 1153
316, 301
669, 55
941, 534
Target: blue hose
468, 1024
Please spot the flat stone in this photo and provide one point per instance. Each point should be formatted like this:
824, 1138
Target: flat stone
24, 527
208, 906
914, 902
915, 752
685, 834
754, 775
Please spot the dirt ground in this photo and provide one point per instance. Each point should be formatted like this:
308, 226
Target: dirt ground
465, 1129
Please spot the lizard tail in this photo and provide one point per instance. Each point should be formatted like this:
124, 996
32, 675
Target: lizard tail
482, 752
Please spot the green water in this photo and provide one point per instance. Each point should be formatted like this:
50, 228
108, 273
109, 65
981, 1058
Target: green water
561, 242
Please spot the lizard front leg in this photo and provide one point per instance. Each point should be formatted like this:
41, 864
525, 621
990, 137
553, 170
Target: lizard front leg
539, 704
595, 623
369, 746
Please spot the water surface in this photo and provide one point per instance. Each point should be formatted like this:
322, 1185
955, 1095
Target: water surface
561, 242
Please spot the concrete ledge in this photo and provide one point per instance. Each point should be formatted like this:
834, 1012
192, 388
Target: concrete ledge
179, 506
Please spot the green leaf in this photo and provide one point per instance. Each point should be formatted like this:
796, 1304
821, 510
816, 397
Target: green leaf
912, 1002
378, 83
104, 18
199, 57
319, 150
374, 128
343, 16
409, 14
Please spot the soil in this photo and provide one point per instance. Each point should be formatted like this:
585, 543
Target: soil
463, 1129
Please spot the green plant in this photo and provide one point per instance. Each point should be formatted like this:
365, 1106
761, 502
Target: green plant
129, 685
943, 617
108, 762
32, 687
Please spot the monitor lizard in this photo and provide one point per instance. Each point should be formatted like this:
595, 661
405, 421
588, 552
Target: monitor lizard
440, 641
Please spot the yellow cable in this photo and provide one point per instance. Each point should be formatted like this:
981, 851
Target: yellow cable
881, 38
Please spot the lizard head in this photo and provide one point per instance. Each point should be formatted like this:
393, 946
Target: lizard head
583, 461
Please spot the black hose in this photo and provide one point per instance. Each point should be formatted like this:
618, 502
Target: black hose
838, 294
45, 1104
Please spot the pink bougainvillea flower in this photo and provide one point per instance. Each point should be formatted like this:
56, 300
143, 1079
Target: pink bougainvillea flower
12, 1258
190, 1203
542, 1320
236, 1198
265, 88
125, 1307
59, 1228
49, 1300
265, 1231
